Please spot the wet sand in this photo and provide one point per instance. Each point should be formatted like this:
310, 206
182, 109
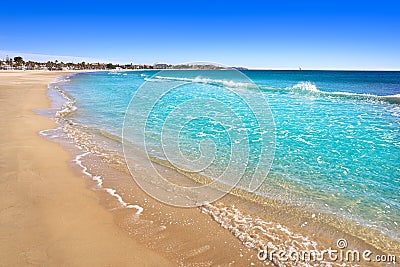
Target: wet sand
48, 216
51, 216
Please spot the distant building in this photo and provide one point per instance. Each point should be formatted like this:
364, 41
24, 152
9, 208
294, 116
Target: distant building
160, 66
7, 67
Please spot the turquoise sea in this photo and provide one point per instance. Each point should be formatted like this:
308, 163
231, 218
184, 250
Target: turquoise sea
334, 147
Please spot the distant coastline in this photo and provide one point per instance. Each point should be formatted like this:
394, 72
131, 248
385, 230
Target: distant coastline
18, 63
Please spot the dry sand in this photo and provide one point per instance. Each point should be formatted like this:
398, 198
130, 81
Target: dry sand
48, 216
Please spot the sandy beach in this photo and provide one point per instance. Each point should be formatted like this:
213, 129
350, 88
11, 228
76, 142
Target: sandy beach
200, 134
48, 217
53, 214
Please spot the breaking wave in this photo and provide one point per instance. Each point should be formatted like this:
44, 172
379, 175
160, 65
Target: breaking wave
305, 87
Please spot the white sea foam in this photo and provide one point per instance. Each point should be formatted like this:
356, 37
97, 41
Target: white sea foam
395, 111
152, 80
114, 193
45, 132
50, 133
68, 107
259, 234
78, 161
305, 86
99, 180
309, 87
228, 83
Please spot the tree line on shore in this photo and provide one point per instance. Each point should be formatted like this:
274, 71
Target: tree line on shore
18, 63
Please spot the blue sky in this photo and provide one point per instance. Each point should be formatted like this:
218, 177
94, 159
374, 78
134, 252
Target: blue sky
280, 34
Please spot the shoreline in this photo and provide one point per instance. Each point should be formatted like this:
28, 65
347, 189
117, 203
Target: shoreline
323, 228
48, 216
52, 215
184, 236
316, 231
175, 235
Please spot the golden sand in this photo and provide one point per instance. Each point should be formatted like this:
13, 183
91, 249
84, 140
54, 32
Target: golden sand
48, 217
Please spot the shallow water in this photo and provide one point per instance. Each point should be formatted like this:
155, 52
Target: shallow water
336, 134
